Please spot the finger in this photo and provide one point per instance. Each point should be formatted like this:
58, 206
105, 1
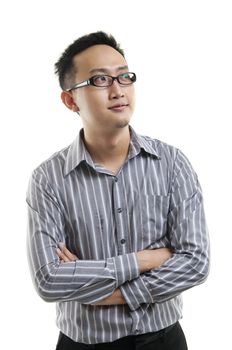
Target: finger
59, 253
67, 253
62, 256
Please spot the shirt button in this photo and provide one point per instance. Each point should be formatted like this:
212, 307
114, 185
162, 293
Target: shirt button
116, 179
137, 331
119, 210
123, 241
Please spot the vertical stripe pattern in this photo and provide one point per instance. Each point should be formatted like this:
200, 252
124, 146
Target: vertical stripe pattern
154, 201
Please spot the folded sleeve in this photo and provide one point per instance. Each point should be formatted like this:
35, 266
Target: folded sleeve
188, 236
86, 281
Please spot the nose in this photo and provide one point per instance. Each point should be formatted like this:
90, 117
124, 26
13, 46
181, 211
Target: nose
116, 90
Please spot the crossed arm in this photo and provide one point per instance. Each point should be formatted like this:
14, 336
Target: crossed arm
147, 260
148, 276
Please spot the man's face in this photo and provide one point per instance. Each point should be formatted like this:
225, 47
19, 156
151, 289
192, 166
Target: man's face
103, 108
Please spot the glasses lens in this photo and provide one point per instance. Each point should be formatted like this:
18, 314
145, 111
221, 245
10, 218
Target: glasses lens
106, 80
127, 78
101, 80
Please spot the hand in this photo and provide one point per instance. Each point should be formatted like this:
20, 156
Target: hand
149, 259
114, 299
64, 254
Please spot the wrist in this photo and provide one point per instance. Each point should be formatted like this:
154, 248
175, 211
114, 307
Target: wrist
152, 258
143, 261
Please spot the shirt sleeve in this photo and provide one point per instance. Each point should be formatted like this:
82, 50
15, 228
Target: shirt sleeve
86, 281
188, 236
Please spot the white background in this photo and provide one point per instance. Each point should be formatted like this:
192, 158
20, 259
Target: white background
181, 52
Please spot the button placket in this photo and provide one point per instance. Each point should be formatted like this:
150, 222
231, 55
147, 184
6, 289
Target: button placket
119, 216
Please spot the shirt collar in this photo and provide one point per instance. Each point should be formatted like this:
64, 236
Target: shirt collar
78, 153
139, 142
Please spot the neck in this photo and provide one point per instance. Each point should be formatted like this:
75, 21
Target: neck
108, 148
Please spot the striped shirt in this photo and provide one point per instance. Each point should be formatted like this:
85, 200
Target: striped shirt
154, 201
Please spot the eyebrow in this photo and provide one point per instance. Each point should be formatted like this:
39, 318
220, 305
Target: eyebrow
105, 70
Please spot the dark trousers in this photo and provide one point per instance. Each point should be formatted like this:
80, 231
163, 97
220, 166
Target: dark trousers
171, 338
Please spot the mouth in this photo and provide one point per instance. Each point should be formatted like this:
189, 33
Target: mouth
119, 107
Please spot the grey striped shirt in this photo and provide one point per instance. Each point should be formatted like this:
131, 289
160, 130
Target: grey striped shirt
154, 201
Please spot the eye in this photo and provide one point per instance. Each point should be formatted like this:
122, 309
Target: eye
126, 78
100, 80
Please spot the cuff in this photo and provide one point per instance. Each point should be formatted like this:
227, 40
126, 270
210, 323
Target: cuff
136, 293
126, 268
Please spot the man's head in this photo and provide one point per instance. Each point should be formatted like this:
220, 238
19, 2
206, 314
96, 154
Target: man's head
65, 67
96, 82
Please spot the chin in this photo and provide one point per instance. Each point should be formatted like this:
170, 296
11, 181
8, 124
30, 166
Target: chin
122, 124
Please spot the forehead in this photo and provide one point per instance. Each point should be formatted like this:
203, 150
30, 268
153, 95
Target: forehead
96, 57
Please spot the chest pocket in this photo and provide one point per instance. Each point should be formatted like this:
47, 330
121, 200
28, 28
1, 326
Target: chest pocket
153, 213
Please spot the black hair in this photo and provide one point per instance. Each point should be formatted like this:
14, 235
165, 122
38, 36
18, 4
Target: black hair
64, 67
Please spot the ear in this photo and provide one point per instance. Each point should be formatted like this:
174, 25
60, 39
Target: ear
67, 99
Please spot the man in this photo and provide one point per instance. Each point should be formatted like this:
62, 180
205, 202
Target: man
116, 221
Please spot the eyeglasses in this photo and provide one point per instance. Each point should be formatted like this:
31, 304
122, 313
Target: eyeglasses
106, 80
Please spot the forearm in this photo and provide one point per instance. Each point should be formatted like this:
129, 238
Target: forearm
181, 272
86, 281
162, 277
152, 259
147, 260
189, 264
116, 298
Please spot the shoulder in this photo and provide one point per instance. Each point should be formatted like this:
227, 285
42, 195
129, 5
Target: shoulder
170, 156
55, 163
166, 153
162, 148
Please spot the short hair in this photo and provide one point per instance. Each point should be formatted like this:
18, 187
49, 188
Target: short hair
64, 67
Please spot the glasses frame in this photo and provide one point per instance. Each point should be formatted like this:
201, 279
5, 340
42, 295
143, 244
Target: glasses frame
90, 81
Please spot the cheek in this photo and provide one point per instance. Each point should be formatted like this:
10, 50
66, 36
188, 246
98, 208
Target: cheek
84, 101
95, 100
131, 92
131, 96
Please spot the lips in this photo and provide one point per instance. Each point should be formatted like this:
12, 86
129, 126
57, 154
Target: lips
118, 107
